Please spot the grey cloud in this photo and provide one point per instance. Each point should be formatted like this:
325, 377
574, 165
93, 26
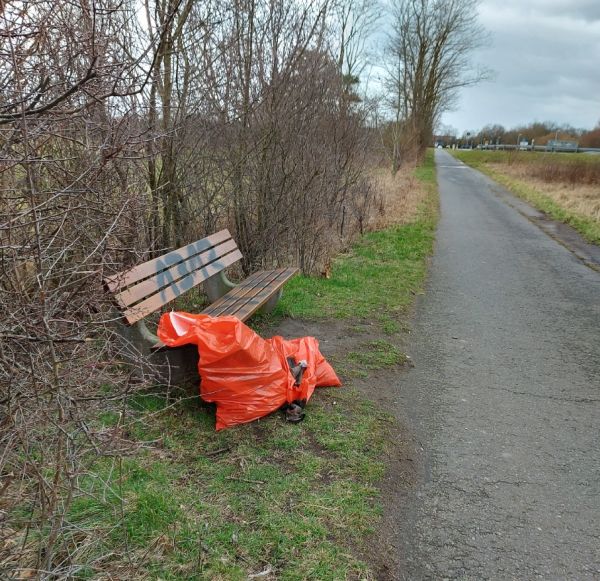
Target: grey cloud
587, 10
546, 56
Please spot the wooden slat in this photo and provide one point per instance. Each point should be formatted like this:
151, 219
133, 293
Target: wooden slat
275, 279
124, 279
164, 278
250, 306
169, 293
248, 287
253, 294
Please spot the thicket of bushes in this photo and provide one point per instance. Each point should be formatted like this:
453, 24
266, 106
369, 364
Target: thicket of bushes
128, 128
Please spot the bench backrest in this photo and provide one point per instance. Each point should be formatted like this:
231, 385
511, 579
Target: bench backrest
143, 289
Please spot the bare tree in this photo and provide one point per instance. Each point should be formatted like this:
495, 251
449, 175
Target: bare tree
430, 53
353, 22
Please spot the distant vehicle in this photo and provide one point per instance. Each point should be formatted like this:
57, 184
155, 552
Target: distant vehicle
562, 145
524, 145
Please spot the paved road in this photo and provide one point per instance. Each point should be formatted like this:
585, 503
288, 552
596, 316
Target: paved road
504, 398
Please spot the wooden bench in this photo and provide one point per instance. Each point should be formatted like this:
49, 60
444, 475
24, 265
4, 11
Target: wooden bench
144, 289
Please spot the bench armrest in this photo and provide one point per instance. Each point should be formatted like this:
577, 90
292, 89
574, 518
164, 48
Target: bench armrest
218, 285
153, 341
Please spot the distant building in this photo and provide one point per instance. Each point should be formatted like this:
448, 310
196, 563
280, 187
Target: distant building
561, 145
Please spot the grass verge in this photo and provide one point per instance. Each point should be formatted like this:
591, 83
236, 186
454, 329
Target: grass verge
587, 226
269, 499
270, 496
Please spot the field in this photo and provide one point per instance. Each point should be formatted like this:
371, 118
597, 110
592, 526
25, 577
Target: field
564, 185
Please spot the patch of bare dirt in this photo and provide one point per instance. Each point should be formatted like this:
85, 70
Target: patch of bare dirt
335, 337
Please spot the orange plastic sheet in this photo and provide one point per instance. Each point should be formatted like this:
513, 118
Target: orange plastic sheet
247, 376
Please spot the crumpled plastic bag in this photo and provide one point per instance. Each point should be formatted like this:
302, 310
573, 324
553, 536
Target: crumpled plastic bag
247, 376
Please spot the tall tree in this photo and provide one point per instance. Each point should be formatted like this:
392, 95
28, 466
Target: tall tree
430, 53
353, 22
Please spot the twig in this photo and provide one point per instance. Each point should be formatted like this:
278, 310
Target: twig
264, 573
245, 480
219, 451
46, 339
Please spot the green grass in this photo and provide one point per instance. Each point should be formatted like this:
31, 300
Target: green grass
292, 497
586, 226
368, 356
190, 503
477, 157
377, 354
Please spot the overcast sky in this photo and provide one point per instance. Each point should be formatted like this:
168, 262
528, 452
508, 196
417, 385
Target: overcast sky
546, 59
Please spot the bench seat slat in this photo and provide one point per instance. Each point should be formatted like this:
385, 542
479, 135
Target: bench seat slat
251, 294
122, 280
154, 302
248, 287
246, 308
153, 285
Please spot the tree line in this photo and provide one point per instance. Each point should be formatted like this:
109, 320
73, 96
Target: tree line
537, 132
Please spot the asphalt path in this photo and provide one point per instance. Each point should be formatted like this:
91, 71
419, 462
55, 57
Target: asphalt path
504, 398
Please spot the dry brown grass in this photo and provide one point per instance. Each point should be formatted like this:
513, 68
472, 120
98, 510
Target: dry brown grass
581, 198
580, 171
400, 195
